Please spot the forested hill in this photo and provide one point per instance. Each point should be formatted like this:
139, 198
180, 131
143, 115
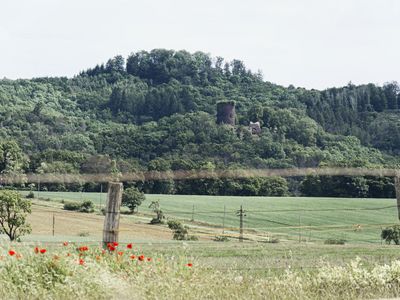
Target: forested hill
157, 111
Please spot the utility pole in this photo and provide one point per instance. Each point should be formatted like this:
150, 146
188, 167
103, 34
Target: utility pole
299, 229
241, 213
397, 188
223, 221
192, 214
54, 222
101, 192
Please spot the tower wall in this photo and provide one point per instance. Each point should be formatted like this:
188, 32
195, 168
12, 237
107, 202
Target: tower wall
226, 113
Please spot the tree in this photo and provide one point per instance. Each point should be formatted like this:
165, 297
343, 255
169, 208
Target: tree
273, 186
155, 206
116, 64
132, 198
12, 159
13, 212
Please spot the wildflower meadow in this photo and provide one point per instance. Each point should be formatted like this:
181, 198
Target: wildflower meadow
70, 270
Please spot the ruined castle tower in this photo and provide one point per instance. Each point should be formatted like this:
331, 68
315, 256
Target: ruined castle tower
226, 113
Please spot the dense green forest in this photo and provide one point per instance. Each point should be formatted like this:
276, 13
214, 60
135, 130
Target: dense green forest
157, 111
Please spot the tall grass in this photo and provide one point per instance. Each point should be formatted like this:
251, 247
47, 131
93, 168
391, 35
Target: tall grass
59, 274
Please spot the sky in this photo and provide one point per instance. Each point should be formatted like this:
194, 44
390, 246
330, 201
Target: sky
306, 43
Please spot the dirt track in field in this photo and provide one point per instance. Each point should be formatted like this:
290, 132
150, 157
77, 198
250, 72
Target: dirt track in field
73, 223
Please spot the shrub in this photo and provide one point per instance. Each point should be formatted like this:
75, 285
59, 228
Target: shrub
156, 221
72, 206
30, 195
83, 234
221, 238
390, 234
180, 232
272, 240
335, 242
87, 207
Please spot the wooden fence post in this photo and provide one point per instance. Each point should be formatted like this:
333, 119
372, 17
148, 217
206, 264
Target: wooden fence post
112, 210
397, 188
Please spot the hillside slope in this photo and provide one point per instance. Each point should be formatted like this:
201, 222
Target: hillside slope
157, 111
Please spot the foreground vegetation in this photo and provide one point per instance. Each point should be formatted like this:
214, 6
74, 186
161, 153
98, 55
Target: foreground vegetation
68, 271
69, 267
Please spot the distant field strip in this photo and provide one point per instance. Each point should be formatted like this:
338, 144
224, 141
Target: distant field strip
195, 174
296, 218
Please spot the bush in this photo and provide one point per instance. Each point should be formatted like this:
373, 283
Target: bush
272, 240
335, 242
155, 221
31, 195
221, 238
87, 207
181, 233
390, 234
72, 206
83, 234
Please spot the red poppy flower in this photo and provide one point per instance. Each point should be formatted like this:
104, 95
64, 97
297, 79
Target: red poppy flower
120, 253
149, 259
81, 262
141, 257
189, 265
133, 256
36, 250
11, 252
115, 244
43, 251
111, 248
129, 246
68, 254
65, 244
83, 248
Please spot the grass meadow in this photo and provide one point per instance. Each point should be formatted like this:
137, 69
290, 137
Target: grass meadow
196, 270
300, 266
289, 218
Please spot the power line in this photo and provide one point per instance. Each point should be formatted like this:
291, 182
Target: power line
284, 210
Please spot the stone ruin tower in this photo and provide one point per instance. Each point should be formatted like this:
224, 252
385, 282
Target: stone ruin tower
255, 128
226, 113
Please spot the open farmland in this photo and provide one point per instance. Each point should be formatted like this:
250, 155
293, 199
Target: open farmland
256, 269
355, 220
250, 257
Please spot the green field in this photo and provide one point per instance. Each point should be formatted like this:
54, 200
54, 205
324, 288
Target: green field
362, 268
294, 218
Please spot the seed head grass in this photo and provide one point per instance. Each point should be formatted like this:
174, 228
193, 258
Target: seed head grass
71, 271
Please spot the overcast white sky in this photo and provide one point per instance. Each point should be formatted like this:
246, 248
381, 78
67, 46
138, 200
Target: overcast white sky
309, 43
